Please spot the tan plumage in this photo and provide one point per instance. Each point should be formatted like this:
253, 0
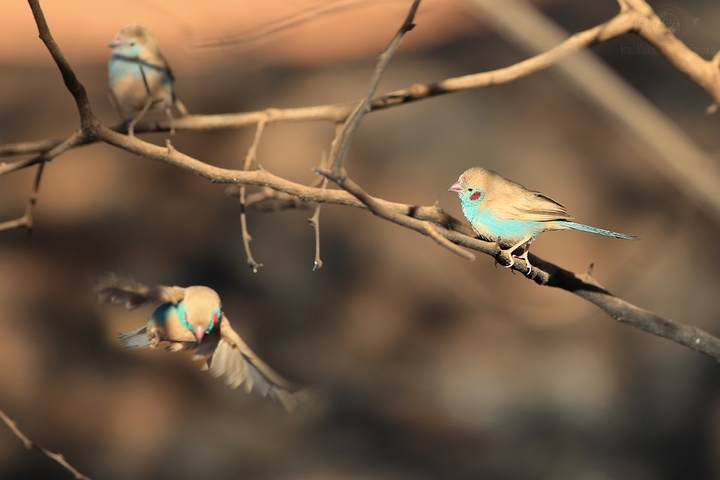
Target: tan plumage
502, 211
509, 199
139, 76
211, 338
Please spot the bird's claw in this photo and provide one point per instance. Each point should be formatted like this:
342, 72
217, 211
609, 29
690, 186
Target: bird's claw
524, 257
505, 256
154, 339
175, 347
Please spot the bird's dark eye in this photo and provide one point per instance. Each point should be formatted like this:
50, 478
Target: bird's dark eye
132, 44
470, 189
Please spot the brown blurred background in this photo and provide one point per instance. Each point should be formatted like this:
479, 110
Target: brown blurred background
428, 366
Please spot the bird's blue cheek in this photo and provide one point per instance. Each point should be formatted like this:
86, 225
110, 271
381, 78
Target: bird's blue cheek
183, 315
217, 314
129, 51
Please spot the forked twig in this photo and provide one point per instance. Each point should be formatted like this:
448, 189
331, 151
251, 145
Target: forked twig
26, 221
315, 219
249, 159
337, 155
424, 227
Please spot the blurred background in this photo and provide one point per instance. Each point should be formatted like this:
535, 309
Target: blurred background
427, 366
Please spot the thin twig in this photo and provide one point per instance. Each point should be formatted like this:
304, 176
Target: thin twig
337, 156
26, 221
72, 141
315, 223
30, 445
249, 159
381, 211
315, 219
312, 13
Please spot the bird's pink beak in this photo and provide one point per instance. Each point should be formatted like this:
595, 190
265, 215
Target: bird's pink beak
199, 333
115, 43
455, 187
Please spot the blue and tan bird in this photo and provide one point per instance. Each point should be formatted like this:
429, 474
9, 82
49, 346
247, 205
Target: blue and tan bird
140, 78
502, 211
192, 319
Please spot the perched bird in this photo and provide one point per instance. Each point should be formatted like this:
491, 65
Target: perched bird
502, 211
140, 78
191, 318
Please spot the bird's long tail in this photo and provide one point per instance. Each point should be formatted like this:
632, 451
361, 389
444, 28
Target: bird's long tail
598, 231
135, 339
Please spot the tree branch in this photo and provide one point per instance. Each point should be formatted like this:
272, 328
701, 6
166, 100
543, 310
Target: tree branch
428, 220
676, 156
619, 25
26, 221
71, 82
249, 159
337, 155
30, 445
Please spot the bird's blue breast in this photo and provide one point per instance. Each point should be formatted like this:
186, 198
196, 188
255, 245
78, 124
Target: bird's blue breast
493, 228
119, 68
162, 314
130, 80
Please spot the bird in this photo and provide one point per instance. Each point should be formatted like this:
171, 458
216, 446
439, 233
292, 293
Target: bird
139, 77
191, 318
502, 211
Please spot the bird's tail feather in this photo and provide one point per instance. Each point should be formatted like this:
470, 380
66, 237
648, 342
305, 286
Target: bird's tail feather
135, 339
599, 231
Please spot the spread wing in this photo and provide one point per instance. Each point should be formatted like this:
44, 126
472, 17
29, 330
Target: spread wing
233, 359
113, 288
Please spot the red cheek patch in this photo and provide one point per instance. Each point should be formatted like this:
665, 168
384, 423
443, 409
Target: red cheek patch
475, 196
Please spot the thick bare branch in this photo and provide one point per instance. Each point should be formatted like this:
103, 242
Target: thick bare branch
383, 212
71, 82
587, 288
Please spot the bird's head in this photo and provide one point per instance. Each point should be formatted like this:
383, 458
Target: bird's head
133, 41
472, 185
200, 311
